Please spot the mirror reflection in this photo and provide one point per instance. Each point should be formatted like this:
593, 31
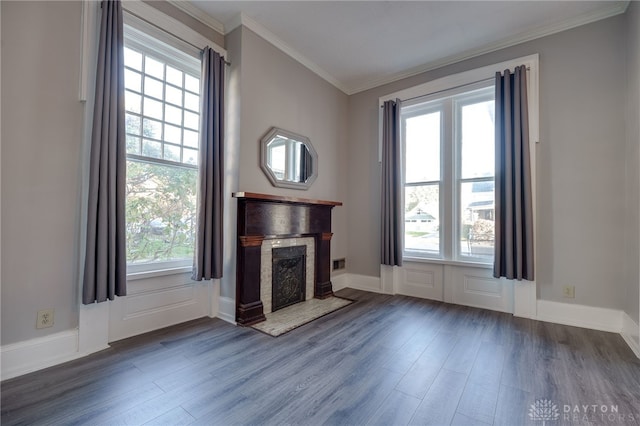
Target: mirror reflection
288, 159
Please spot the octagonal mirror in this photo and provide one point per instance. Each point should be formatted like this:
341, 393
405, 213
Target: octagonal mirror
288, 159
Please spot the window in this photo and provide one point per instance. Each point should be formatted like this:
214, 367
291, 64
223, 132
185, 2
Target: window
448, 142
162, 100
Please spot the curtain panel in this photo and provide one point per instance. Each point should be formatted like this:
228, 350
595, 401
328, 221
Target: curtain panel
105, 267
391, 249
209, 228
514, 257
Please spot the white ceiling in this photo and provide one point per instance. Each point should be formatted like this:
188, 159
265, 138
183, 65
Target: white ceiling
357, 45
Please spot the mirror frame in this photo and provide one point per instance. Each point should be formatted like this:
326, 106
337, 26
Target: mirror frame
279, 183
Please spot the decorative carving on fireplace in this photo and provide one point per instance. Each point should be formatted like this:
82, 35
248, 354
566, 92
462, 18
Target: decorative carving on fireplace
263, 216
289, 277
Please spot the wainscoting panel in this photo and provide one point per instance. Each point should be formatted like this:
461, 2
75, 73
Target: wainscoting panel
423, 280
477, 287
157, 302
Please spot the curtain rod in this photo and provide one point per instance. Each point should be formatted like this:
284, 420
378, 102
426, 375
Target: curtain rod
448, 89
171, 34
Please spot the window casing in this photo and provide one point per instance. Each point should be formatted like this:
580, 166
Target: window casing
162, 101
448, 143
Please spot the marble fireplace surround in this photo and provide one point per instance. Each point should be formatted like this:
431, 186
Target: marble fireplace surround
264, 219
266, 270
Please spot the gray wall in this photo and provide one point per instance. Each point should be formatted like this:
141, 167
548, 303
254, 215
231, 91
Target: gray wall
580, 170
632, 225
276, 90
42, 147
41, 152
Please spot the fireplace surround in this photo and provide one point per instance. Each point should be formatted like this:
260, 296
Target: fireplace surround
262, 216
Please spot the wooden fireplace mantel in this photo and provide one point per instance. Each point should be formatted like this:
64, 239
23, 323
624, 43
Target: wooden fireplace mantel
281, 199
263, 216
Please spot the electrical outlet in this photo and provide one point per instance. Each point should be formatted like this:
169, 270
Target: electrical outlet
569, 291
45, 318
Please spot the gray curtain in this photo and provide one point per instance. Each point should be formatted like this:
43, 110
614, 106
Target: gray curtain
391, 250
209, 229
105, 266
514, 210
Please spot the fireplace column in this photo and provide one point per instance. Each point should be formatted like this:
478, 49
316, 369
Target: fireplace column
249, 309
323, 288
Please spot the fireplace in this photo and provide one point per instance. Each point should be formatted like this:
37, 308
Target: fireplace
266, 222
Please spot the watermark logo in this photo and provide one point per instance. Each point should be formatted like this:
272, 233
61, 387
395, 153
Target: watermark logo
544, 410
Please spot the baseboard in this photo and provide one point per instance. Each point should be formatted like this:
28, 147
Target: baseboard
227, 309
580, 316
630, 333
359, 282
35, 354
338, 282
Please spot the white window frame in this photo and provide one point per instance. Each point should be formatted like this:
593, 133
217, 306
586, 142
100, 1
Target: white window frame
141, 23
463, 82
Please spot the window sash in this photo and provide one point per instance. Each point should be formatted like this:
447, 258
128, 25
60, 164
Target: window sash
451, 181
184, 147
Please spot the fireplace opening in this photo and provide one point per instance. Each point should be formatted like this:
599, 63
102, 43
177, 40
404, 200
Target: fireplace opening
288, 276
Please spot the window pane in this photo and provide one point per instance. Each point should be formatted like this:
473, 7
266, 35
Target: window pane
133, 81
160, 212
477, 219
132, 102
421, 218
190, 138
171, 152
478, 140
192, 101
174, 76
172, 133
133, 145
152, 108
132, 124
190, 156
191, 120
154, 68
174, 95
191, 83
173, 115
151, 148
151, 129
153, 87
132, 59
422, 141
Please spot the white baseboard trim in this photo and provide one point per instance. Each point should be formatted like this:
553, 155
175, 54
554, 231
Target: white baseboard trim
338, 282
227, 309
360, 282
42, 352
580, 316
631, 333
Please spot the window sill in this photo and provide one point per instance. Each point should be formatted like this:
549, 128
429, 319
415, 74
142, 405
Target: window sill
467, 264
158, 273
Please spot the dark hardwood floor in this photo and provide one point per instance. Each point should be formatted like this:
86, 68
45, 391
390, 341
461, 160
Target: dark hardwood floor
383, 360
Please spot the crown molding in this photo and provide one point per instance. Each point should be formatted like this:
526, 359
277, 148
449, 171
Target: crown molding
616, 8
201, 16
246, 21
543, 31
